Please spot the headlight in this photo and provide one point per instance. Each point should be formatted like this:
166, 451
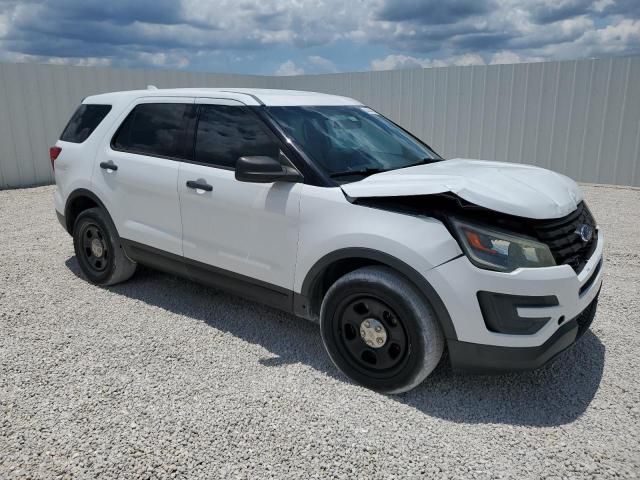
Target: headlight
495, 250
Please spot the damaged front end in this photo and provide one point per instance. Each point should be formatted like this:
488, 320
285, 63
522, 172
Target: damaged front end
498, 241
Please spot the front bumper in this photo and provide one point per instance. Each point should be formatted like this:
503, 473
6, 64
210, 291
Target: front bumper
476, 346
459, 281
472, 357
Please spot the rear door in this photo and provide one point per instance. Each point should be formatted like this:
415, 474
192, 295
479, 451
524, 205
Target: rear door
241, 232
138, 171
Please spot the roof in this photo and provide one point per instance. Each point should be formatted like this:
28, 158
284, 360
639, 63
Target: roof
248, 96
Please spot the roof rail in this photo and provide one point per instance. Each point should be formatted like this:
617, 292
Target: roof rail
260, 102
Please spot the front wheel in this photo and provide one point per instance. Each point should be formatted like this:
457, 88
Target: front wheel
380, 331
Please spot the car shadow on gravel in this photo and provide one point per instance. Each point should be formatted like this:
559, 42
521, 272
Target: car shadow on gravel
555, 394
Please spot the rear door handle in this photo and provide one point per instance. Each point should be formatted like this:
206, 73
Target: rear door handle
108, 166
198, 185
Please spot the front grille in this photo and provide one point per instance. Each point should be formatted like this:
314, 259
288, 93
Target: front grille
565, 244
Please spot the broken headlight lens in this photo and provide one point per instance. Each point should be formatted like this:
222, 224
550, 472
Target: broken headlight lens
495, 250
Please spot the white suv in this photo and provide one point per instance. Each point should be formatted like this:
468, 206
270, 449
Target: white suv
320, 206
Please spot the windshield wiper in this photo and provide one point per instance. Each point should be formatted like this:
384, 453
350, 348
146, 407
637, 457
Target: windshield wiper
363, 171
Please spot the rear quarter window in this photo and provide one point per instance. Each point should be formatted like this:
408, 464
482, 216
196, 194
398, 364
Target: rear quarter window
83, 122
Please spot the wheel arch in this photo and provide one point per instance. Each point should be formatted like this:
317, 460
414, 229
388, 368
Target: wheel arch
78, 201
340, 262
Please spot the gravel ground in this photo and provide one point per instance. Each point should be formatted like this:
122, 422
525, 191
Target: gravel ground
163, 378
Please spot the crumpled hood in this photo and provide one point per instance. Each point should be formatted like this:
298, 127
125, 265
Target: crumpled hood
511, 188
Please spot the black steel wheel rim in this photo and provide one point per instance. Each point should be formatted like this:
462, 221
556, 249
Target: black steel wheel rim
94, 247
384, 360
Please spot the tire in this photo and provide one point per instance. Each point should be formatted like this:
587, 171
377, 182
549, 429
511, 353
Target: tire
380, 331
98, 249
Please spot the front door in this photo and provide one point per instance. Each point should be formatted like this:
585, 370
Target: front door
242, 236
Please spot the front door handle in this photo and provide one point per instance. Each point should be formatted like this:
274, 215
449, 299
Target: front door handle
199, 185
108, 166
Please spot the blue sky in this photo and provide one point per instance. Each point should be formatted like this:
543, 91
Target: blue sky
287, 37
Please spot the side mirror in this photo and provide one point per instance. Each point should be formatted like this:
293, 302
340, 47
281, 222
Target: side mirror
265, 170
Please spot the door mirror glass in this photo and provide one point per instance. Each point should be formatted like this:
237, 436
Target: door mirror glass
260, 169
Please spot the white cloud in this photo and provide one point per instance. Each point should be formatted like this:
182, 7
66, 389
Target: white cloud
618, 38
615, 38
466, 59
323, 64
600, 5
289, 68
13, 57
173, 60
301, 23
395, 62
208, 35
507, 56
79, 62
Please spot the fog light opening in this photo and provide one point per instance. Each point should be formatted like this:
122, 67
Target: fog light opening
561, 320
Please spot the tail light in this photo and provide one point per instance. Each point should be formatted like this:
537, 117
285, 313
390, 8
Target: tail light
53, 154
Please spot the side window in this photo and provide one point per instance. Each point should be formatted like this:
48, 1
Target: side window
226, 133
83, 122
156, 129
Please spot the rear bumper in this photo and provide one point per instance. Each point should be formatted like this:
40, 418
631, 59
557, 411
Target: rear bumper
62, 220
473, 357
59, 206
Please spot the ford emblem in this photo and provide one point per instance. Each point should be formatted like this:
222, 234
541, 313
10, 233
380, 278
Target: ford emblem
585, 232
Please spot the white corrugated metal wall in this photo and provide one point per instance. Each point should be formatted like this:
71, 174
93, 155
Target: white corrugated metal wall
581, 118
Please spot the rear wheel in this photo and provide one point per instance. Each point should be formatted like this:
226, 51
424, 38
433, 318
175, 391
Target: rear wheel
380, 331
98, 249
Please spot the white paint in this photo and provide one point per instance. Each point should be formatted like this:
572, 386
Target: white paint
521, 190
141, 195
248, 96
276, 232
328, 222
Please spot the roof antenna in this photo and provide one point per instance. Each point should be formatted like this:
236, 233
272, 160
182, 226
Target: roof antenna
151, 87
